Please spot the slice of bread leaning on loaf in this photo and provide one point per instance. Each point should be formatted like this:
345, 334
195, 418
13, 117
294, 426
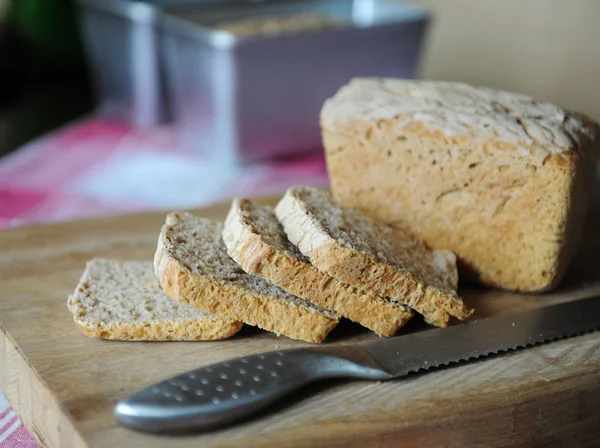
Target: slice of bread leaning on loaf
500, 179
371, 255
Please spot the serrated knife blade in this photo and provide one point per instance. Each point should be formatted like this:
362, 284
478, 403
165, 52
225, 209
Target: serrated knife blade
428, 349
227, 392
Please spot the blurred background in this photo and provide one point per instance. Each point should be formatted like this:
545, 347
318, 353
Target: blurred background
110, 106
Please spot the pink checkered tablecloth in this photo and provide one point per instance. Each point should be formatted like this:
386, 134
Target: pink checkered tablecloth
95, 167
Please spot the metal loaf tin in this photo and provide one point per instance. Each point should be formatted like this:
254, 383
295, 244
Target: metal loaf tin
121, 39
242, 99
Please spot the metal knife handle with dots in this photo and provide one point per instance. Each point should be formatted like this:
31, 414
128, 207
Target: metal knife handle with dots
229, 391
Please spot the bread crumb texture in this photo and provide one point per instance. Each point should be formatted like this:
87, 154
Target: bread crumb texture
502, 180
371, 255
256, 240
121, 300
193, 267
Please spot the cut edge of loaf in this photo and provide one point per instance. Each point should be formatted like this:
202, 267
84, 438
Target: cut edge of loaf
248, 246
225, 298
505, 187
363, 270
192, 325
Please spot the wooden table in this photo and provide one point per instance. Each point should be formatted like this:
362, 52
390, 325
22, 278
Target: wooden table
64, 385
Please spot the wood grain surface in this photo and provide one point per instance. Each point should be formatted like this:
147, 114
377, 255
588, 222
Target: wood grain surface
64, 385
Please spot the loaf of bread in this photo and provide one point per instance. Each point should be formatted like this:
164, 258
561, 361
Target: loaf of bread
255, 239
193, 267
372, 256
499, 178
121, 300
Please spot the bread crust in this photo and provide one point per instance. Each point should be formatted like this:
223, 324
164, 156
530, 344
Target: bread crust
227, 299
251, 250
184, 330
364, 270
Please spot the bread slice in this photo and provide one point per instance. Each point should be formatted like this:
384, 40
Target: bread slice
256, 240
121, 300
193, 267
372, 256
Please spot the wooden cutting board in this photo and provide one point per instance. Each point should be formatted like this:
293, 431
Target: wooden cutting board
64, 385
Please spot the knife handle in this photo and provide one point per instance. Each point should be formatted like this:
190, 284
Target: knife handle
227, 392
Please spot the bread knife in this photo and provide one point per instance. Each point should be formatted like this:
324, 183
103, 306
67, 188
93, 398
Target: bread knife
227, 392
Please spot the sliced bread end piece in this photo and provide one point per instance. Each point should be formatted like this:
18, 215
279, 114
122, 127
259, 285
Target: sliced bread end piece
121, 300
372, 256
193, 267
256, 240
